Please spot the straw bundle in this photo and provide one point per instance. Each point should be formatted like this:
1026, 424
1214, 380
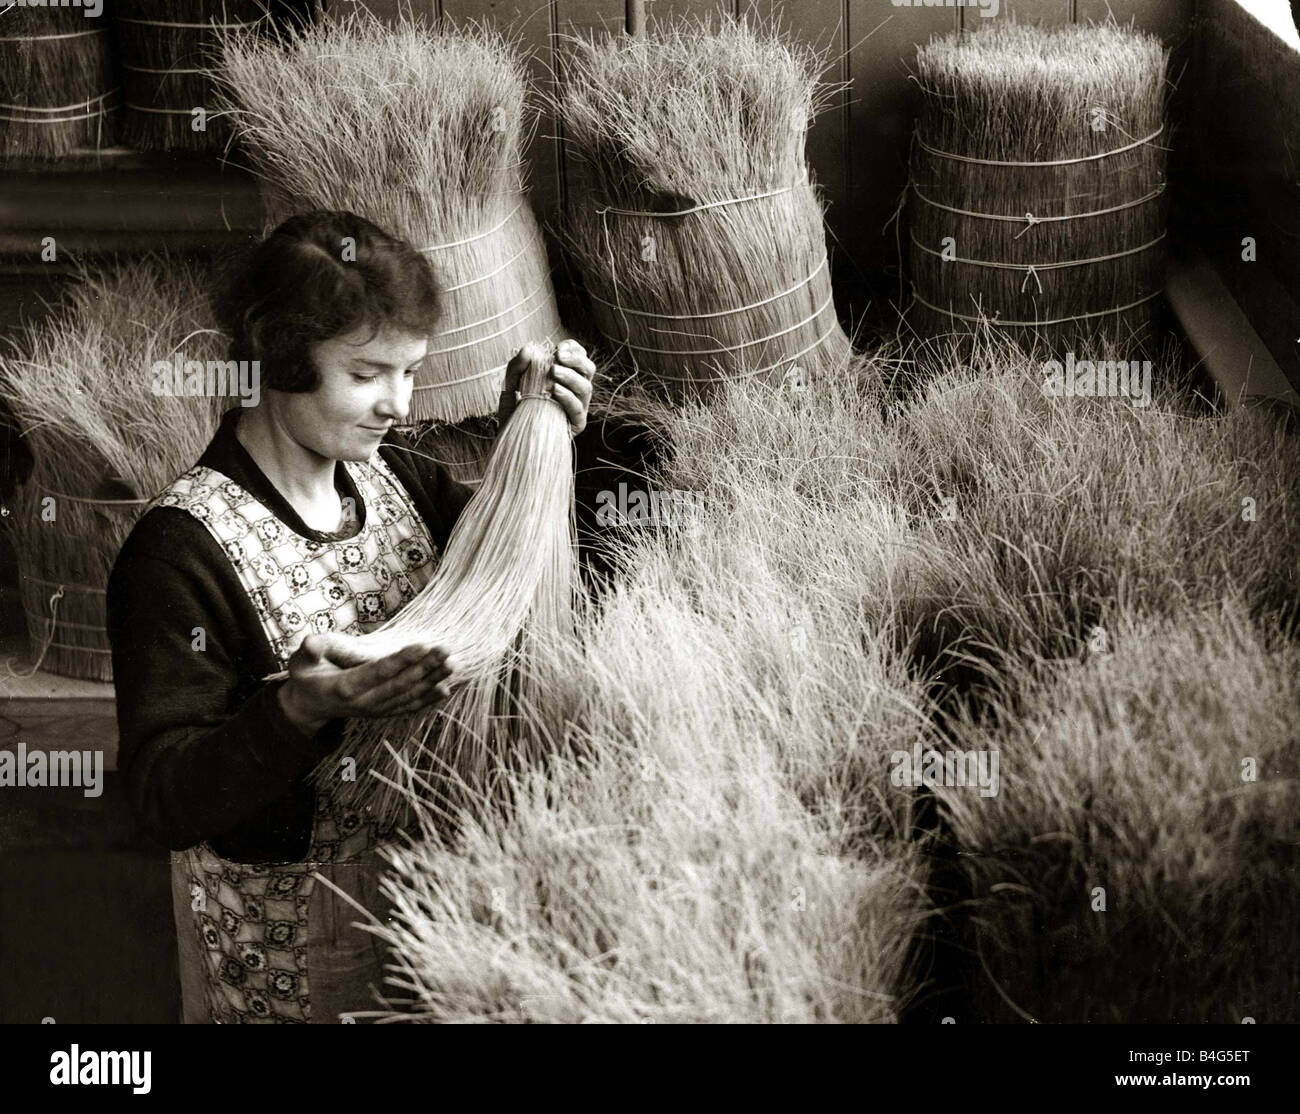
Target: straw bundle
421, 133
701, 242
1039, 169
500, 600
80, 388
168, 50
57, 88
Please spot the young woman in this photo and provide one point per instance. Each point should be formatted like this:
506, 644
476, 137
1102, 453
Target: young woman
307, 520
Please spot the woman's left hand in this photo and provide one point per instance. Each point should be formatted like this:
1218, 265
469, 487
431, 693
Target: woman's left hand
570, 381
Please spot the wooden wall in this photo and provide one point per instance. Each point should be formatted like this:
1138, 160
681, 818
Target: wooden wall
858, 148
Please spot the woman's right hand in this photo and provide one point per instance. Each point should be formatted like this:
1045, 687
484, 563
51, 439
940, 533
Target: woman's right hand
333, 676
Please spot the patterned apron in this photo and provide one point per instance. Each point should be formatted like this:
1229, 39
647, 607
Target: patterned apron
267, 942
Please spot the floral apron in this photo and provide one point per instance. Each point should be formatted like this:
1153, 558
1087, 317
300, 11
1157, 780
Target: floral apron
267, 942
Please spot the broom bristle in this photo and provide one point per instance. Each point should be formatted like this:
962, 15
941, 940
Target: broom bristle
500, 598
421, 133
705, 125
1089, 99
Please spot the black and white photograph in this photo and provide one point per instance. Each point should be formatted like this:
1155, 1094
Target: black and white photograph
651, 512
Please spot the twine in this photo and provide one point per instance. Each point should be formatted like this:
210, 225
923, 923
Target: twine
1052, 162
66, 584
734, 347
171, 111
49, 638
481, 235
43, 38
490, 274
170, 70
463, 379
490, 336
200, 26
751, 373
720, 313
1029, 218
492, 317
66, 623
100, 111
1034, 268
602, 210
1036, 324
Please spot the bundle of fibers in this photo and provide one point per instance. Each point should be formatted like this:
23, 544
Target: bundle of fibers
57, 87
1167, 781
1038, 176
79, 385
700, 240
168, 50
499, 602
422, 133
719, 841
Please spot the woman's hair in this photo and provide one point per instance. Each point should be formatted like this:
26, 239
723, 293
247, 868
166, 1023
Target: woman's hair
317, 276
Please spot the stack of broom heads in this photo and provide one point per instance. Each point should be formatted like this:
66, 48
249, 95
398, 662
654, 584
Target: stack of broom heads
1038, 178
169, 50
81, 389
423, 133
700, 237
58, 91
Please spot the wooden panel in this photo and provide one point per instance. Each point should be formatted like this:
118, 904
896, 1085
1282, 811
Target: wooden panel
528, 22
882, 106
664, 11
1022, 11
1170, 19
388, 10
822, 23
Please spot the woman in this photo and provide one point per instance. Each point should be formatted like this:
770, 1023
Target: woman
307, 520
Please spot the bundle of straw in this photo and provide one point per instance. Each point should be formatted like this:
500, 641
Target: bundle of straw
168, 51
1038, 176
701, 243
57, 88
500, 601
421, 133
80, 388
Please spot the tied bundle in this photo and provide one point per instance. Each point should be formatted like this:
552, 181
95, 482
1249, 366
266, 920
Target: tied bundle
500, 603
168, 50
57, 89
421, 133
1038, 177
105, 435
701, 240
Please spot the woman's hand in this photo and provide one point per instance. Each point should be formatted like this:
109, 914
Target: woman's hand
332, 676
570, 382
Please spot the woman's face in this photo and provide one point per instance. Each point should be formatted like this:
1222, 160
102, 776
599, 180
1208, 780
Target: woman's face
364, 390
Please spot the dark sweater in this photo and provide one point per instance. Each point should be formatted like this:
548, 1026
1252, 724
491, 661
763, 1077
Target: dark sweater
205, 750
